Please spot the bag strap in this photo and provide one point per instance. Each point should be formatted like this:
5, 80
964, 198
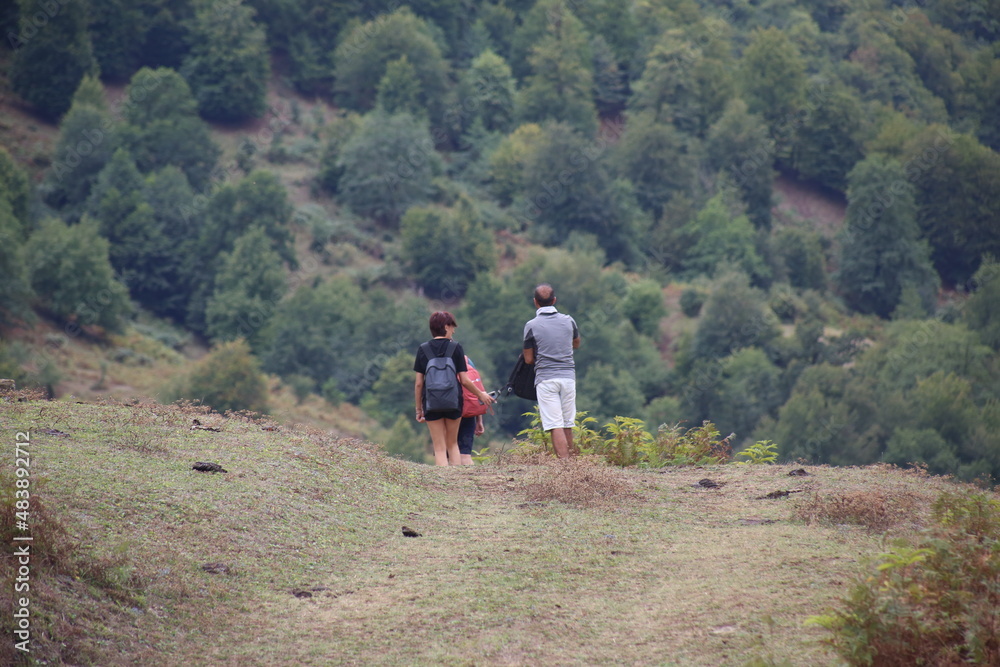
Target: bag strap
449, 351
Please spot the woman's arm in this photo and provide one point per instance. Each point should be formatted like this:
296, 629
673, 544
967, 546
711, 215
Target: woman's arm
471, 386
418, 395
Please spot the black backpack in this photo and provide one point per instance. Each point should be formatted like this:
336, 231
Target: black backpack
442, 392
522, 380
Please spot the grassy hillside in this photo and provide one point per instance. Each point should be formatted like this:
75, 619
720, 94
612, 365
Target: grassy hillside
296, 555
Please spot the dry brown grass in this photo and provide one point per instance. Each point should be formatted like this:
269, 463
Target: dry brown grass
584, 481
875, 510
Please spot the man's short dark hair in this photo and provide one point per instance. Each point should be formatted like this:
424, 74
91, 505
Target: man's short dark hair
545, 295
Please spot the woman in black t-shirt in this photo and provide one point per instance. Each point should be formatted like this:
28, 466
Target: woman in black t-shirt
443, 425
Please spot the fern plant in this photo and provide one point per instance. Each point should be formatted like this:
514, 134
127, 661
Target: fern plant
585, 439
628, 442
760, 452
532, 439
700, 445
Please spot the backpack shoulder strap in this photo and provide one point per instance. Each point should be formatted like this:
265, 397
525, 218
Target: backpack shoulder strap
450, 352
426, 347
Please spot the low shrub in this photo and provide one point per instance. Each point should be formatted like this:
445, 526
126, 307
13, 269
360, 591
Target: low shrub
934, 600
700, 445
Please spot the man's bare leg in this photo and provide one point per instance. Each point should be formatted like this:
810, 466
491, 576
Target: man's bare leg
562, 440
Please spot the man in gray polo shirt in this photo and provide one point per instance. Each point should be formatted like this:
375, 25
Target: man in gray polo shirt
549, 341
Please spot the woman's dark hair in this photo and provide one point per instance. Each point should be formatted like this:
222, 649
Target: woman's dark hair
439, 320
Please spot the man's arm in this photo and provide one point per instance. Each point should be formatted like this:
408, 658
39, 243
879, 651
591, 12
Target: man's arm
528, 347
576, 343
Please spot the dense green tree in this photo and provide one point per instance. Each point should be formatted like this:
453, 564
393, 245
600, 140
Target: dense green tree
498, 309
258, 201
881, 253
772, 76
828, 14
320, 332
749, 388
387, 166
338, 131
9, 17
908, 446
16, 191
982, 310
444, 249
560, 84
658, 160
911, 350
937, 54
486, 93
801, 256
118, 32
399, 89
957, 189
568, 188
227, 378
162, 126
610, 80
168, 32
15, 297
883, 72
139, 249
168, 194
978, 99
391, 395
248, 285
734, 317
723, 239
497, 22
529, 31
69, 271
365, 51
509, 160
828, 142
52, 54
739, 145
405, 442
606, 391
681, 84
616, 24
644, 307
228, 67
828, 419
86, 143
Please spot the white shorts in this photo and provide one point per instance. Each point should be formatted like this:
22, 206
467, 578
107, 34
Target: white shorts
557, 403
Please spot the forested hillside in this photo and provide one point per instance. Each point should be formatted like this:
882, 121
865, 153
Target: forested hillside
298, 184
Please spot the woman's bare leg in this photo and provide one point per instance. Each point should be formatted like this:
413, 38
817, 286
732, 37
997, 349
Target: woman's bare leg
439, 438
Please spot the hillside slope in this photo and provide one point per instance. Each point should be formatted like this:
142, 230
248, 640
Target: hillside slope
295, 555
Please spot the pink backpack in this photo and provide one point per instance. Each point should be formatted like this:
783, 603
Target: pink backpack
471, 406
